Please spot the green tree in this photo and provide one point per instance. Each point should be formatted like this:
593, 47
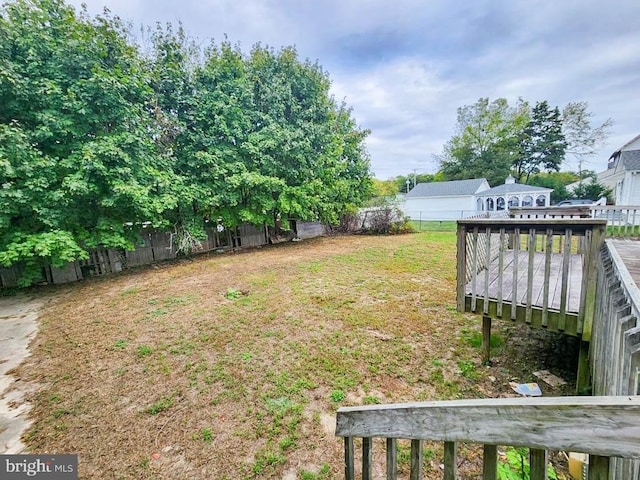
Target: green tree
591, 189
556, 180
541, 144
77, 162
96, 138
583, 139
486, 141
413, 179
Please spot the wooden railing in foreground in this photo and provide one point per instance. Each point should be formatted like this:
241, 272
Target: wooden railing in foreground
602, 427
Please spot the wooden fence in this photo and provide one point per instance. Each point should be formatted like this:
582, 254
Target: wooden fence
153, 247
602, 427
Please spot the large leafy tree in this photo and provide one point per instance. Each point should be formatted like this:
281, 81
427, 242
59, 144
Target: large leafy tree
486, 141
96, 138
541, 144
77, 161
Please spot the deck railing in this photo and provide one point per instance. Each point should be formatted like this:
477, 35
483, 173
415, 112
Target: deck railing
602, 427
622, 220
525, 270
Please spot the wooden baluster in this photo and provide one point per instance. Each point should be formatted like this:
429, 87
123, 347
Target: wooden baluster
349, 467
626, 223
538, 460
500, 271
598, 467
474, 270
461, 280
450, 461
367, 458
392, 459
532, 252
516, 261
485, 306
564, 291
490, 462
416, 460
547, 277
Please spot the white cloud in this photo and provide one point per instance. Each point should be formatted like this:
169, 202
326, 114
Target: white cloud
407, 66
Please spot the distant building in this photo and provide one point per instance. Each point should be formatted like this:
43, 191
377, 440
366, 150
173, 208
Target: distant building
444, 200
466, 198
512, 194
623, 173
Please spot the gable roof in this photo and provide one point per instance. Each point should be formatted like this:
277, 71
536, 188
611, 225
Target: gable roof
508, 188
447, 189
628, 144
630, 159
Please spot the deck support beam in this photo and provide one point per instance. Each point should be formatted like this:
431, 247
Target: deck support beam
486, 340
583, 380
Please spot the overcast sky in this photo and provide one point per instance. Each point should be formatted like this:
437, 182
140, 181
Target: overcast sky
405, 66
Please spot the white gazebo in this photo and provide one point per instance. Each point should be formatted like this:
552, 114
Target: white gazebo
512, 194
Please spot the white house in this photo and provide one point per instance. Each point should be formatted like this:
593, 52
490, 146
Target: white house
465, 198
512, 194
444, 200
623, 173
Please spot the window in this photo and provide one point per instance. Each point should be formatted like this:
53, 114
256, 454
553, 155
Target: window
541, 201
479, 204
489, 203
527, 201
514, 202
500, 203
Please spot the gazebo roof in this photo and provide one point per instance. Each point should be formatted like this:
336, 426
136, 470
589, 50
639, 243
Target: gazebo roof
514, 189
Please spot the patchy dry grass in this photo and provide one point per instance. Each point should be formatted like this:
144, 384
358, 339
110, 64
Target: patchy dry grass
232, 366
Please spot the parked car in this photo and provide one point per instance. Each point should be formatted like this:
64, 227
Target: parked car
573, 202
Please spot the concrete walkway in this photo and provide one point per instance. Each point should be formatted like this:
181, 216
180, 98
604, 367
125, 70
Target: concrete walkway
18, 326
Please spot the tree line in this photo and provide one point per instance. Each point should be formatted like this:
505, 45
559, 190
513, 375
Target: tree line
494, 139
100, 133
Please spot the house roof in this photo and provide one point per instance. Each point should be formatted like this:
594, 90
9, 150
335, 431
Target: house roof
447, 189
517, 188
630, 159
637, 137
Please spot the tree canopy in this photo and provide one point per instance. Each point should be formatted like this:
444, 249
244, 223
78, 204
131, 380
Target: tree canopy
493, 139
97, 136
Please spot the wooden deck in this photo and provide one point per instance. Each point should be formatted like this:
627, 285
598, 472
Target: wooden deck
498, 290
505, 293
629, 251
540, 272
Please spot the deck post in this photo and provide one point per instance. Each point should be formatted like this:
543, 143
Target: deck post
583, 380
486, 340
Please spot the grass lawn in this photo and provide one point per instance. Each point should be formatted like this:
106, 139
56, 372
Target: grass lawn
232, 366
433, 225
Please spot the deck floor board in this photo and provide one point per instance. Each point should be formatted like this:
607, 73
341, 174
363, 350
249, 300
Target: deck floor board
537, 294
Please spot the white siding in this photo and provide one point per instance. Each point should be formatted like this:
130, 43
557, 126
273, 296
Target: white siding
440, 208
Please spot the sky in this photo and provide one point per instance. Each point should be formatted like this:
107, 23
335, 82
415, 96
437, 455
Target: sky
406, 66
